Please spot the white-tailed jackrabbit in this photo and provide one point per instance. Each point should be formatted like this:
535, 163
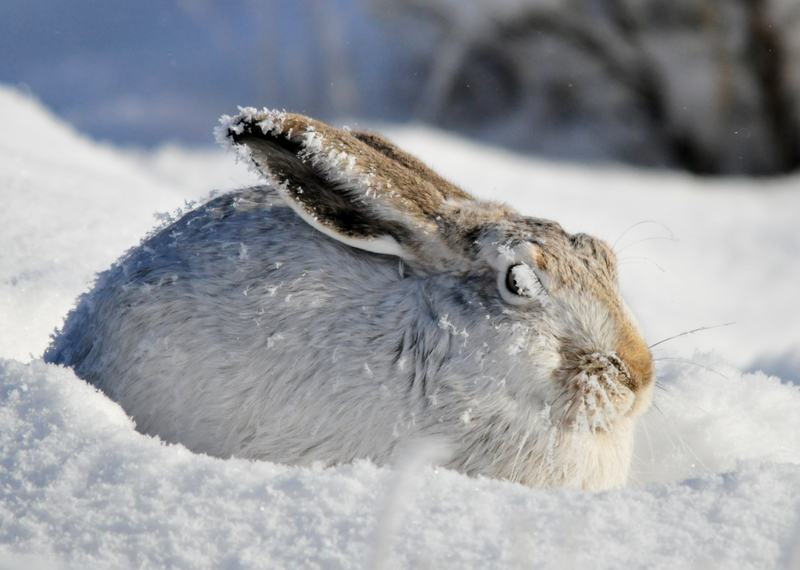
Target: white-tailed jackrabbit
358, 302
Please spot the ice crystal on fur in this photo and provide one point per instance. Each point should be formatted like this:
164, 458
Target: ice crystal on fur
325, 318
601, 399
526, 280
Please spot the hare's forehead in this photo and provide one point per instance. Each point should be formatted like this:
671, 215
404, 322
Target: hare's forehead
504, 236
546, 245
523, 238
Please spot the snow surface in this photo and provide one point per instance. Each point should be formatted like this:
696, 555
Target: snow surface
717, 473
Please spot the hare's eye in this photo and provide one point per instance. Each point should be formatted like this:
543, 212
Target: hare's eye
522, 281
511, 281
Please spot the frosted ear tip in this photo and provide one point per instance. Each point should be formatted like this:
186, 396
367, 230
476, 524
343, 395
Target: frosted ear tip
252, 136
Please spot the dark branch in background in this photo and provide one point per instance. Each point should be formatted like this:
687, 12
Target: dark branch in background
767, 56
652, 92
628, 64
444, 63
615, 39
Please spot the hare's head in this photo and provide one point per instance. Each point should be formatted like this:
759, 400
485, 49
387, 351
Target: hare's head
544, 302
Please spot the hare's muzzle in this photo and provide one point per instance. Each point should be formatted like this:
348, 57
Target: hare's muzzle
602, 388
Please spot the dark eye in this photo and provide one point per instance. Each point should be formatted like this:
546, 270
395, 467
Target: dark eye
512, 284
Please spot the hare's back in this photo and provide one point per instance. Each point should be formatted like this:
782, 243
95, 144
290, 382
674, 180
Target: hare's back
234, 314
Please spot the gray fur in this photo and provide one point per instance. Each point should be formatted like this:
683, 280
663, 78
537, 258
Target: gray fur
242, 330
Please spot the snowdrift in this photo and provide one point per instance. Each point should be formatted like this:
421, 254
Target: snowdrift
717, 474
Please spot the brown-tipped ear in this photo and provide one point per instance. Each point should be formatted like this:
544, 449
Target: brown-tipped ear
342, 185
308, 192
448, 190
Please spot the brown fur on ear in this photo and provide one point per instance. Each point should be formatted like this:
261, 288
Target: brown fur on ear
448, 190
356, 187
308, 189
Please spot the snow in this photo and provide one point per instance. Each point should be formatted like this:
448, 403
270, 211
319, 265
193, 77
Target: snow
96, 202
526, 280
717, 472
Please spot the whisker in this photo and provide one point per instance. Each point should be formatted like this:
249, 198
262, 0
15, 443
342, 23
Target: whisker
637, 475
564, 410
691, 332
656, 408
667, 421
564, 394
691, 362
639, 224
622, 261
565, 415
564, 391
519, 453
645, 239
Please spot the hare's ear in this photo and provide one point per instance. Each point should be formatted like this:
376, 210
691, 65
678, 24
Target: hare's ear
358, 189
448, 190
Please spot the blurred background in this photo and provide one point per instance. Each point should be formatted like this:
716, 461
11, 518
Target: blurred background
707, 86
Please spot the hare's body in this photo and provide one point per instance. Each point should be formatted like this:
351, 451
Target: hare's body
241, 329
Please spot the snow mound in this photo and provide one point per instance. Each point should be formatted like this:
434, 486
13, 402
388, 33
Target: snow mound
709, 417
81, 489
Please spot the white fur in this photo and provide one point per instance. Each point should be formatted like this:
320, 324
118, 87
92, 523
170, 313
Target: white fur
256, 336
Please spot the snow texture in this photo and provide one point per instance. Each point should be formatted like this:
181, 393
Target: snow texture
716, 479
526, 281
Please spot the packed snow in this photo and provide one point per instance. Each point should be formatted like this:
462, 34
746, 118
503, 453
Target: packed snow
716, 480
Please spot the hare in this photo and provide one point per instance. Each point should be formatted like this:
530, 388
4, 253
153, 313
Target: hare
358, 302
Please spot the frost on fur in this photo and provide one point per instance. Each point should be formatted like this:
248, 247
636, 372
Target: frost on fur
526, 280
374, 304
601, 400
